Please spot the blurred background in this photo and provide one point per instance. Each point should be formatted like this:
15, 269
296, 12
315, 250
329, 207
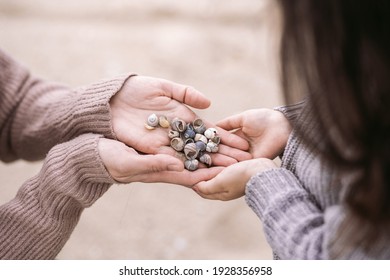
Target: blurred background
226, 49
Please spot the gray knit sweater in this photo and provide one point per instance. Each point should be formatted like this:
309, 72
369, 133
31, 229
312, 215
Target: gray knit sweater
39, 119
301, 206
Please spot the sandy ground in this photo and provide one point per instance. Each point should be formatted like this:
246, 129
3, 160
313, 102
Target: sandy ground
227, 49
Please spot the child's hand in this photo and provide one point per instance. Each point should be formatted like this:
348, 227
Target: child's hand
266, 130
230, 183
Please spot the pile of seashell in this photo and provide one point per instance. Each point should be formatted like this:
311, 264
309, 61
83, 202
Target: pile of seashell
194, 139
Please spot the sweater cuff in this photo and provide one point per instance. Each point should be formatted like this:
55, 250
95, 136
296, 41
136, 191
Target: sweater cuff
265, 189
291, 112
91, 111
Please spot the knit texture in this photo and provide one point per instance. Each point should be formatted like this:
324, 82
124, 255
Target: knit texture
38, 119
35, 114
37, 223
301, 206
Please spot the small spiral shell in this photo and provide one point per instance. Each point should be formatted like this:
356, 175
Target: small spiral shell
211, 147
210, 133
188, 140
191, 164
163, 121
191, 151
216, 139
206, 159
199, 126
189, 133
152, 120
173, 134
200, 137
177, 144
201, 146
178, 125
149, 127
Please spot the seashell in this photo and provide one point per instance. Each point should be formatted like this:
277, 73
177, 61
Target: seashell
199, 126
188, 140
152, 120
173, 134
216, 139
149, 127
177, 144
200, 137
200, 145
163, 121
189, 126
189, 133
191, 164
191, 151
211, 147
178, 125
210, 133
206, 159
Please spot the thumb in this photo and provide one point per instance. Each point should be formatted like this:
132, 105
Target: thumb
158, 163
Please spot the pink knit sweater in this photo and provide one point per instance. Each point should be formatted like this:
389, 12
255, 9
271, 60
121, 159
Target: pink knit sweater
39, 119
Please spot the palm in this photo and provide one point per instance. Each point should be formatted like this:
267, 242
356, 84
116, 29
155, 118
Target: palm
142, 96
266, 131
132, 106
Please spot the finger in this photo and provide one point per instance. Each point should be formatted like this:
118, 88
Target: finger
226, 156
184, 178
157, 163
230, 139
185, 94
234, 153
209, 189
232, 122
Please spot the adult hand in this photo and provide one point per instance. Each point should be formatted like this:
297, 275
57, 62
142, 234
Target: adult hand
142, 96
125, 165
230, 183
266, 130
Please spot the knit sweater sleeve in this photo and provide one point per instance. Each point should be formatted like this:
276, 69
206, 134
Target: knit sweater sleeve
35, 114
40, 219
291, 112
294, 225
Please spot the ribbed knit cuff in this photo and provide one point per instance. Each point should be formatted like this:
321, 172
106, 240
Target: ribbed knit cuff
90, 111
266, 189
291, 112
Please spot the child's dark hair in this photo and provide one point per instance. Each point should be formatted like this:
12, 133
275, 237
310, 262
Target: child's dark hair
337, 53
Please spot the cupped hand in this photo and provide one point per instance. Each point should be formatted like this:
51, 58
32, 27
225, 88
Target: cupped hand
141, 96
266, 130
230, 183
125, 165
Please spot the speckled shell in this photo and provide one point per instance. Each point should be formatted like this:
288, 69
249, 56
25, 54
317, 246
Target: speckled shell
191, 164
191, 151
178, 125
177, 144
163, 121
152, 120
200, 137
199, 126
211, 147
206, 159
210, 133
173, 134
